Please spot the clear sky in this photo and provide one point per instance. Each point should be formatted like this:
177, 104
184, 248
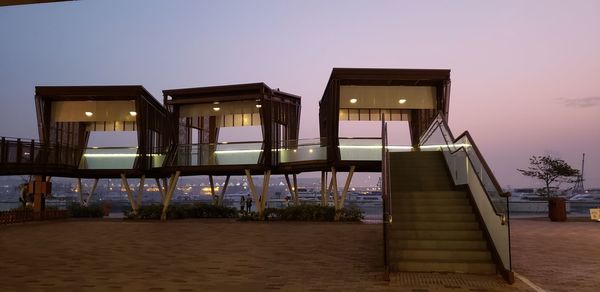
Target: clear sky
525, 74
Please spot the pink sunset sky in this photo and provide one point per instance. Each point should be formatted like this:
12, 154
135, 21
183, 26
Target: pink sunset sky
525, 74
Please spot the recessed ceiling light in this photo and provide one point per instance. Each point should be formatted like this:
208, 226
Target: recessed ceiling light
353, 100
216, 108
133, 114
89, 114
258, 105
216, 102
402, 100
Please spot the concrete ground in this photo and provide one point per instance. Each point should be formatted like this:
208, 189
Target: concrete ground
218, 255
557, 256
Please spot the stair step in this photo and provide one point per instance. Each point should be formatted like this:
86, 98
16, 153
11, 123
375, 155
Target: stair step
482, 268
442, 217
431, 225
439, 244
399, 201
436, 234
430, 194
432, 210
446, 255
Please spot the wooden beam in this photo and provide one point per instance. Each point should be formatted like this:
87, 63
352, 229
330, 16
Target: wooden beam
212, 189
252, 187
334, 187
125, 184
222, 196
79, 188
295, 197
289, 185
160, 190
140, 192
172, 184
265, 190
324, 195
87, 201
347, 185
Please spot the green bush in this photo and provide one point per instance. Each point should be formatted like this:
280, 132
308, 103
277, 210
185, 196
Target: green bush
308, 213
183, 211
92, 211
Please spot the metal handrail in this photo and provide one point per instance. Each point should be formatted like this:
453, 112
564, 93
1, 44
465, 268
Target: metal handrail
387, 198
437, 124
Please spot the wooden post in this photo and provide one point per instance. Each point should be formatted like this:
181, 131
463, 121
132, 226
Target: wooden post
212, 189
140, 193
171, 188
347, 185
80, 191
296, 199
289, 185
87, 201
252, 187
222, 196
125, 185
334, 187
265, 194
160, 190
324, 195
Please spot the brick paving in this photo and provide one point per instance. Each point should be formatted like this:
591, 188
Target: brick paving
557, 256
210, 255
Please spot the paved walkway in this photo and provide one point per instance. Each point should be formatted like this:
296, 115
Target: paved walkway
209, 255
557, 256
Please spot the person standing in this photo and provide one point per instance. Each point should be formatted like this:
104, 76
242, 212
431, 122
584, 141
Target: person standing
248, 203
242, 203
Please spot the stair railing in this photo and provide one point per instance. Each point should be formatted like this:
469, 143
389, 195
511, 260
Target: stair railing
469, 168
386, 195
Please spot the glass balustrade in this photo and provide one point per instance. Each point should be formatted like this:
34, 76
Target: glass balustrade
109, 158
360, 149
303, 150
243, 153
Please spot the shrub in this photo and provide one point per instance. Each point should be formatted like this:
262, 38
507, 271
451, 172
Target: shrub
182, 211
92, 211
308, 213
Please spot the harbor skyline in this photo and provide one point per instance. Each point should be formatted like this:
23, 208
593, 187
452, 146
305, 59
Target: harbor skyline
522, 87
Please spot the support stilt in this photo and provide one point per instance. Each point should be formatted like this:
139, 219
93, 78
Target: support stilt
160, 190
222, 196
140, 193
80, 191
324, 195
265, 194
334, 187
252, 187
347, 185
87, 201
295, 197
125, 185
289, 185
169, 194
212, 189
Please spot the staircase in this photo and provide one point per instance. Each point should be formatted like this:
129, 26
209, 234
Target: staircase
434, 227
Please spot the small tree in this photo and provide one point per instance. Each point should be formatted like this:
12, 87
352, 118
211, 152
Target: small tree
550, 170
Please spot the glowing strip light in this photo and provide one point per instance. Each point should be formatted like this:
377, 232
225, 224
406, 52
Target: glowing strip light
116, 155
237, 151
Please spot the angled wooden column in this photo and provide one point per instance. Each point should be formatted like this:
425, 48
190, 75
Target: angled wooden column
160, 190
295, 197
80, 191
125, 185
334, 187
222, 196
265, 193
252, 187
347, 185
324, 195
140, 192
212, 189
87, 201
169, 194
289, 185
